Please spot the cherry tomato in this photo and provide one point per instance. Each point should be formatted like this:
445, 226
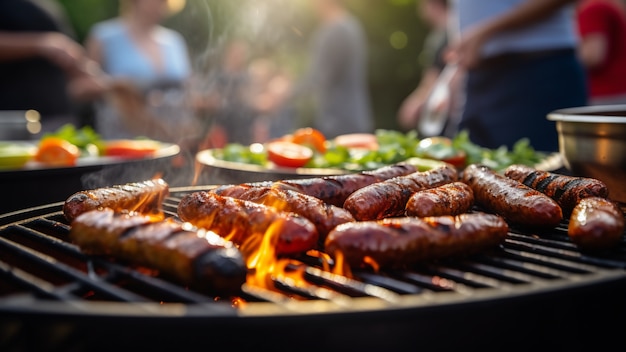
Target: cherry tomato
289, 154
57, 152
310, 137
357, 140
441, 148
128, 148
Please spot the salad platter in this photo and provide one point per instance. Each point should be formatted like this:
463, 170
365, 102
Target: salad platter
49, 170
237, 163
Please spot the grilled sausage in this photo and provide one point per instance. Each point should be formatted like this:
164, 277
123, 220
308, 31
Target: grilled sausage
450, 199
397, 242
596, 223
144, 197
565, 190
246, 223
389, 198
516, 202
192, 256
323, 215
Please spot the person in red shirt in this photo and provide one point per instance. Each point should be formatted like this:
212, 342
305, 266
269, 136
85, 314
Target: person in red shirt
602, 29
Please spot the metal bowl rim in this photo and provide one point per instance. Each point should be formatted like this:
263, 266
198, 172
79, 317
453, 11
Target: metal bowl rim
590, 114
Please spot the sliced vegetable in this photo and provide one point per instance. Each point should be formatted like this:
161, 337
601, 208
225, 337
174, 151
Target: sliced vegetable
55, 151
289, 154
367, 141
14, 155
441, 148
310, 137
131, 148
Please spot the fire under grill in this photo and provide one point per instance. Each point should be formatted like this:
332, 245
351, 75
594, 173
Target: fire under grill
535, 288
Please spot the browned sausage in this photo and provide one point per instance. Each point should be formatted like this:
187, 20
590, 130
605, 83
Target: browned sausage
596, 223
246, 223
331, 189
565, 190
189, 255
388, 198
396, 242
450, 199
323, 215
144, 197
513, 200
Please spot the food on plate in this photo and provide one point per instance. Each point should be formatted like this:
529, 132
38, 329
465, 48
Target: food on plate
143, 197
288, 154
15, 155
324, 216
55, 151
596, 223
309, 137
565, 190
511, 199
397, 242
130, 148
356, 152
367, 141
441, 148
449, 199
246, 223
192, 256
389, 197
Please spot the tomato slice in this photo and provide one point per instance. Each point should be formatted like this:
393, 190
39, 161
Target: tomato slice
129, 148
57, 152
357, 141
310, 137
289, 154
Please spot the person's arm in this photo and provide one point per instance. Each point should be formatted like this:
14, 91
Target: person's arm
412, 105
593, 50
467, 50
55, 47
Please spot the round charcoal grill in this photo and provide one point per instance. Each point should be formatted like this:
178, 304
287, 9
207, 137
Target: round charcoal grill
536, 290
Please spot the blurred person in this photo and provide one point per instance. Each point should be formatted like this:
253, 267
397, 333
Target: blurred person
226, 100
337, 73
42, 66
436, 14
149, 69
602, 29
521, 62
268, 94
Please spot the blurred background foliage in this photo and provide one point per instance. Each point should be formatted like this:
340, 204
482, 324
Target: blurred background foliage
281, 29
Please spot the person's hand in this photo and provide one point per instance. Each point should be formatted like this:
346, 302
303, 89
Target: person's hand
409, 111
62, 51
466, 51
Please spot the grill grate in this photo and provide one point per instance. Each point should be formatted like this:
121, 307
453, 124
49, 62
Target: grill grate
43, 276
37, 261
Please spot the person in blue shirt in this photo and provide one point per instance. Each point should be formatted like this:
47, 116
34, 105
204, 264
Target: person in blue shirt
149, 69
521, 62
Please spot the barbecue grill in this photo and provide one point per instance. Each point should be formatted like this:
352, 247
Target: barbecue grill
536, 290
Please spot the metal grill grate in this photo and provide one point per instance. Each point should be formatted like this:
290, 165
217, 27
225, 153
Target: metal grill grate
41, 273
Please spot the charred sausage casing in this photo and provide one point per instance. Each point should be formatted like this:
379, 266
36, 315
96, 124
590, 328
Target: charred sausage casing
565, 190
513, 200
389, 198
397, 242
323, 215
191, 256
335, 189
450, 199
144, 197
596, 223
241, 220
